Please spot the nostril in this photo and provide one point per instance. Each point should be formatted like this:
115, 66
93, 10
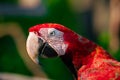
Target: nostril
37, 33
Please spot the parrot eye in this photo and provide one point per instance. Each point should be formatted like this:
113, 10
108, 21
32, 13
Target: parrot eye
52, 33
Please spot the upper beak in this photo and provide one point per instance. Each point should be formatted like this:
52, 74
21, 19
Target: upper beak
37, 47
32, 46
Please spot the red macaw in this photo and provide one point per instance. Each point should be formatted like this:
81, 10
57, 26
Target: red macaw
85, 59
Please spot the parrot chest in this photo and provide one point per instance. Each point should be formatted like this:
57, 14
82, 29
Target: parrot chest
103, 69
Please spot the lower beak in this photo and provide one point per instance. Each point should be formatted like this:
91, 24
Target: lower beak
45, 50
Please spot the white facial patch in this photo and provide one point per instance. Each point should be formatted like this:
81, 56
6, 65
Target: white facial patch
55, 39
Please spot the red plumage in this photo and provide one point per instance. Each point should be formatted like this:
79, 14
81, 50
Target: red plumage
91, 61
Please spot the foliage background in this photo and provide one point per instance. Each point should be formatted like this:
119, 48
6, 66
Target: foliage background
55, 11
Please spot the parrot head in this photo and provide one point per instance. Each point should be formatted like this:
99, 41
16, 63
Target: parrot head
49, 40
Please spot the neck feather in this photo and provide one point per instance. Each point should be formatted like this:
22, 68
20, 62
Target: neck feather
84, 51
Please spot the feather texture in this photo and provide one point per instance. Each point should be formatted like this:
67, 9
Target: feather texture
90, 60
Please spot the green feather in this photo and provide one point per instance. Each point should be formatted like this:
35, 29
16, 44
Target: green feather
55, 69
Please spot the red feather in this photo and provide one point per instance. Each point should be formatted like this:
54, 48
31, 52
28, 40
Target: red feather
91, 61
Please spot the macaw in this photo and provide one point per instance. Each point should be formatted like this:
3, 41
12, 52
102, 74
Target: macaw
85, 59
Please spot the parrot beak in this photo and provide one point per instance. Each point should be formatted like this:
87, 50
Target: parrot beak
37, 47
45, 50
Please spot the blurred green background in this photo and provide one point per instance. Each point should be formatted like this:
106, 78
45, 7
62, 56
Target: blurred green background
86, 17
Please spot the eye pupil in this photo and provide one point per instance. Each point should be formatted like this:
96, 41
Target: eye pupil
52, 33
